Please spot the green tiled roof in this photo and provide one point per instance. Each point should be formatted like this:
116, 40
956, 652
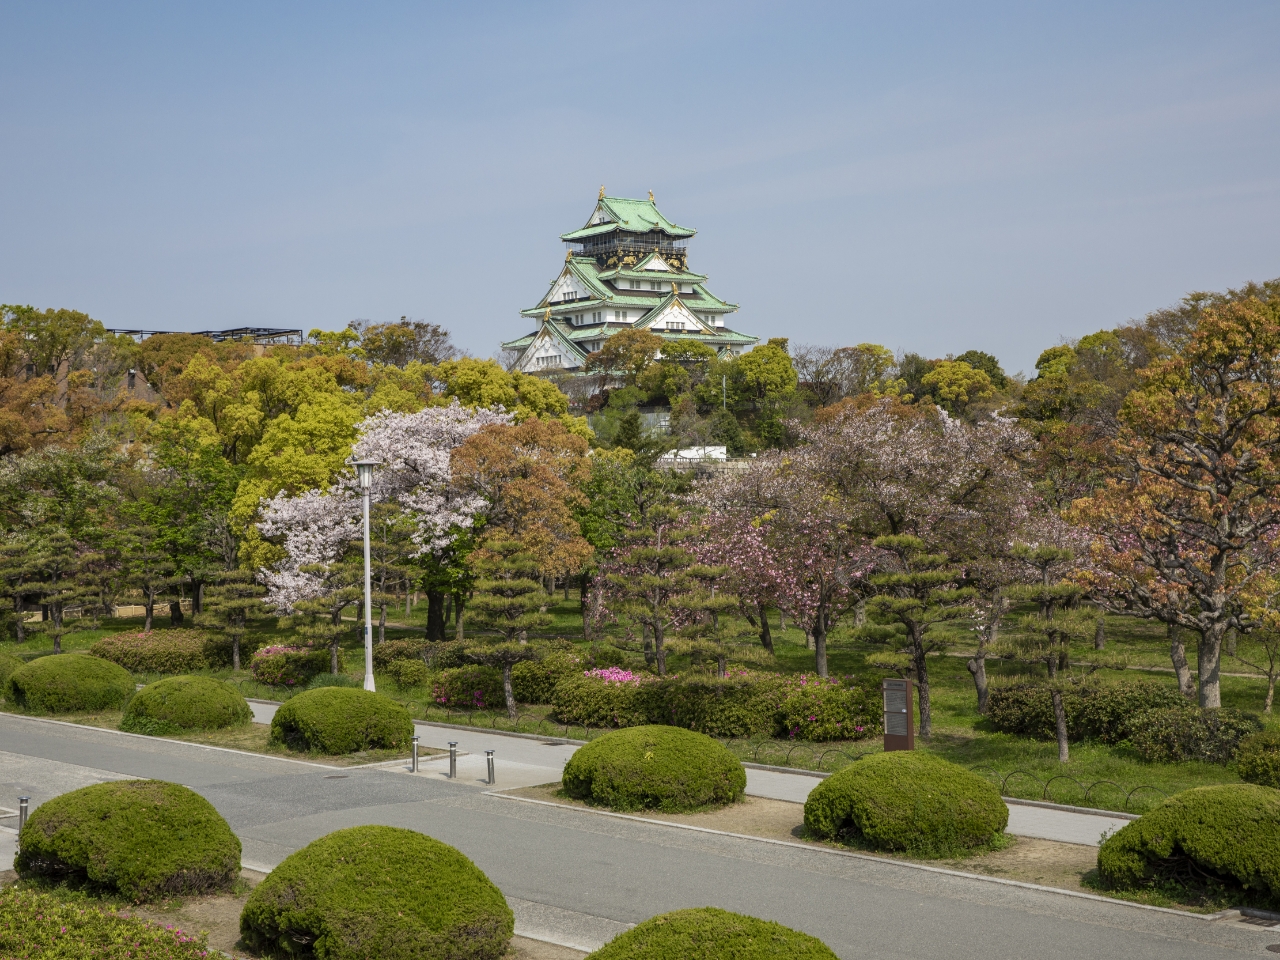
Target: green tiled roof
631, 216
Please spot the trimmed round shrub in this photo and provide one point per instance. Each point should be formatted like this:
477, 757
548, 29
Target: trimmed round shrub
1210, 736
67, 682
470, 688
410, 673
389, 651
909, 802
1258, 759
280, 666
160, 651
36, 924
604, 697
534, 681
707, 933
379, 892
1095, 710
145, 838
1206, 842
654, 768
337, 720
8, 664
185, 703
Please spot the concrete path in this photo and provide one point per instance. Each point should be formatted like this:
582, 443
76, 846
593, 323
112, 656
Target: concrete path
576, 877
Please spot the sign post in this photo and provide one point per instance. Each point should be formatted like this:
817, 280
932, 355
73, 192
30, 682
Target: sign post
899, 719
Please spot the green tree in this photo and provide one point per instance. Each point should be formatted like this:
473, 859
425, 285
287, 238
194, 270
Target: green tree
988, 364
233, 602
956, 385
508, 595
147, 567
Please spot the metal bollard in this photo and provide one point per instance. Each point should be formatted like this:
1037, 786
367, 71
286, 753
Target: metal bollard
23, 803
488, 755
453, 759
413, 761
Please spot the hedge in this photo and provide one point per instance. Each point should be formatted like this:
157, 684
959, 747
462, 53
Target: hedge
145, 838
907, 801
1095, 710
281, 666
185, 703
813, 708
389, 651
534, 681
410, 673
40, 924
8, 664
708, 933
379, 892
1181, 733
67, 682
160, 651
616, 700
654, 768
471, 688
336, 720
1258, 759
1213, 841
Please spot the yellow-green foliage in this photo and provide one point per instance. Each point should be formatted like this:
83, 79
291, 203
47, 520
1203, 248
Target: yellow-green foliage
655, 768
1258, 759
710, 934
907, 801
145, 838
337, 720
1222, 840
69, 682
160, 651
8, 664
186, 703
378, 892
41, 924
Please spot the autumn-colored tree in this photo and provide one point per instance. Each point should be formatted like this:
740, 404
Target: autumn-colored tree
1186, 522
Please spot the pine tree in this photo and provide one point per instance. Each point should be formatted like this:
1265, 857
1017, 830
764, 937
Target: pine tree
318, 622
147, 568
232, 602
57, 561
508, 597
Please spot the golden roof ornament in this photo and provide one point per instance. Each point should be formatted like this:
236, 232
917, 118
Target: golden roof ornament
546, 317
651, 196
601, 197
568, 255
674, 289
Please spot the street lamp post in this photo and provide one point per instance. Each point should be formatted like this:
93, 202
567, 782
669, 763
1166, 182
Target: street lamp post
364, 470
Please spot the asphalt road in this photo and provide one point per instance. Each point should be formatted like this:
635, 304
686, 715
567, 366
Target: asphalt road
579, 877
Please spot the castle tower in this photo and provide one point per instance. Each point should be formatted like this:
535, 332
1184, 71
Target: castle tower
627, 268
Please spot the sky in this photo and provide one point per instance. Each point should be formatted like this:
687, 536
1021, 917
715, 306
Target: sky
931, 177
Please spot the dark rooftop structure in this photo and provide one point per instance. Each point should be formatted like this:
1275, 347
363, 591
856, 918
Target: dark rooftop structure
263, 335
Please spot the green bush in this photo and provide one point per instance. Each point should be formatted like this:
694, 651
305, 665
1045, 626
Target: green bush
1208, 842
813, 708
378, 892
1171, 735
410, 673
281, 666
711, 934
336, 720
219, 653
534, 681
907, 801
602, 655
160, 651
654, 767
388, 651
145, 838
8, 664
1095, 710
41, 924
1258, 759
470, 688
69, 682
595, 701
186, 703
737, 705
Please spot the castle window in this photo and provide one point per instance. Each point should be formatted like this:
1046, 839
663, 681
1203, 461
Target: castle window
653, 284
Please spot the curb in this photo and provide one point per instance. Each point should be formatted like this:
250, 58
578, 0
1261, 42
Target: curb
1212, 917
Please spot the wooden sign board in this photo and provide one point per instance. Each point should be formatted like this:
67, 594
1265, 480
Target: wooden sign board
899, 718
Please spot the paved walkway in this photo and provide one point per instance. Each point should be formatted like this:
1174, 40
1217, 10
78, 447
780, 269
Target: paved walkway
521, 762
577, 878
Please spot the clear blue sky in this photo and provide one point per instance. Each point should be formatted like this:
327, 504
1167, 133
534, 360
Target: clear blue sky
933, 177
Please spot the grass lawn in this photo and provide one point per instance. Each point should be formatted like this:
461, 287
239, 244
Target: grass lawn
1106, 777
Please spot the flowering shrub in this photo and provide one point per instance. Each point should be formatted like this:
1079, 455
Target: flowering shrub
282, 666
160, 651
616, 700
813, 708
470, 688
34, 924
613, 675
534, 681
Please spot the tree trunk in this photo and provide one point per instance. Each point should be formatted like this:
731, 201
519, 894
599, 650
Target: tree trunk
333, 656
197, 597
448, 608
175, 613
1060, 719
659, 651
20, 625
566, 589
507, 691
766, 638
1178, 653
457, 616
1209, 666
235, 654
978, 667
382, 619
1100, 633
150, 605
860, 614
408, 612
922, 680
1271, 692
435, 615
820, 644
